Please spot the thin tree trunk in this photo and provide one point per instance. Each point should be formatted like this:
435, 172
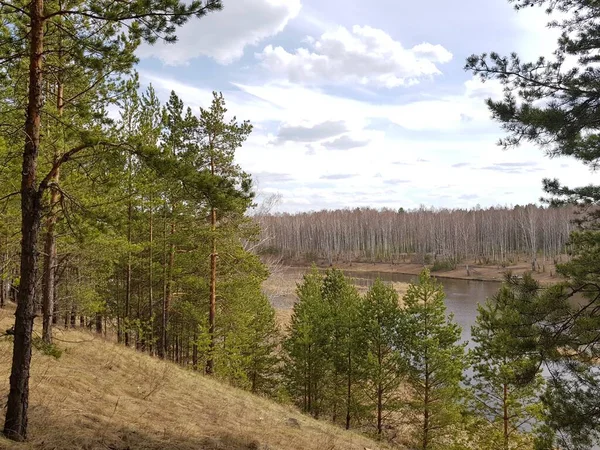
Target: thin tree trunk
349, 390
426, 411
213, 299
50, 263
310, 394
3, 277
379, 394
98, 323
162, 348
118, 301
3, 263
195, 352
49, 276
168, 286
55, 306
505, 416
169, 296
151, 282
15, 425
140, 340
213, 280
128, 275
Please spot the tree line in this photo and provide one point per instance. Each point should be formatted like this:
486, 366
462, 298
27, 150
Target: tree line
498, 235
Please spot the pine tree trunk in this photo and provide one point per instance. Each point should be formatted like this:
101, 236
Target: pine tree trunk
426, 409
128, 274
213, 278
168, 288
505, 416
195, 352
15, 425
3, 278
349, 390
55, 306
213, 299
151, 284
162, 347
98, 323
2, 282
50, 263
169, 296
49, 276
379, 409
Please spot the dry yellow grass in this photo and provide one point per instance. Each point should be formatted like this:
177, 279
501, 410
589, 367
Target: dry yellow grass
102, 396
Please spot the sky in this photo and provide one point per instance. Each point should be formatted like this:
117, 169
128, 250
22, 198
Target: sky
364, 104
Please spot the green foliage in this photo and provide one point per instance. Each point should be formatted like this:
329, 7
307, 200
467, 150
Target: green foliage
305, 348
324, 352
554, 106
46, 348
507, 381
247, 338
440, 265
435, 363
384, 368
345, 346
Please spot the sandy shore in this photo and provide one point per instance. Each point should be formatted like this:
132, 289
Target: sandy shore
546, 274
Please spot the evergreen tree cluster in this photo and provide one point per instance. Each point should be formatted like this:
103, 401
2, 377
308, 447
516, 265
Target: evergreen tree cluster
134, 239
396, 368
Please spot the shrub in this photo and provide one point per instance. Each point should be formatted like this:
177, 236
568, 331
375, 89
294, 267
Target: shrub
47, 349
443, 264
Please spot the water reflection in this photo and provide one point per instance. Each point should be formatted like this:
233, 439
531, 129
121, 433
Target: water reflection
462, 296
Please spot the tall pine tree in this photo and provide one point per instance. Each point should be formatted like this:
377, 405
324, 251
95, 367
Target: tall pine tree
553, 103
430, 342
506, 381
385, 367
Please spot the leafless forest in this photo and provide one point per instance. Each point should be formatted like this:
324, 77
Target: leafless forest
495, 235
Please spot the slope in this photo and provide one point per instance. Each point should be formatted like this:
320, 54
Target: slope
99, 395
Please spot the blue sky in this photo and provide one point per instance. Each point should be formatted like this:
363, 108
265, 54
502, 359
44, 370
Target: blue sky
360, 103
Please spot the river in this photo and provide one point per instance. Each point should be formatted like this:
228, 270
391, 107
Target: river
462, 296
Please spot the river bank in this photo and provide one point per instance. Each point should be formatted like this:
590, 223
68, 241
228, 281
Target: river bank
476, 272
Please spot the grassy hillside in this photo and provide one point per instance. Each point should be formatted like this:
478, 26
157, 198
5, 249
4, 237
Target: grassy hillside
102, 396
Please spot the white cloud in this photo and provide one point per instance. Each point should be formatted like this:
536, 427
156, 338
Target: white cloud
363, 55
310, 115
310, 133
223, 35
291, 103
345, 142
297, 107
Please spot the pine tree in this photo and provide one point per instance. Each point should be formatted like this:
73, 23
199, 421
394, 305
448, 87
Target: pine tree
435, 362
506, 381
345, 347
380, 312
305, 348
219, 140
555, 107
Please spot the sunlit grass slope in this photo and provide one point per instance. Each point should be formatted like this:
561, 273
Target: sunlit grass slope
102, 396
